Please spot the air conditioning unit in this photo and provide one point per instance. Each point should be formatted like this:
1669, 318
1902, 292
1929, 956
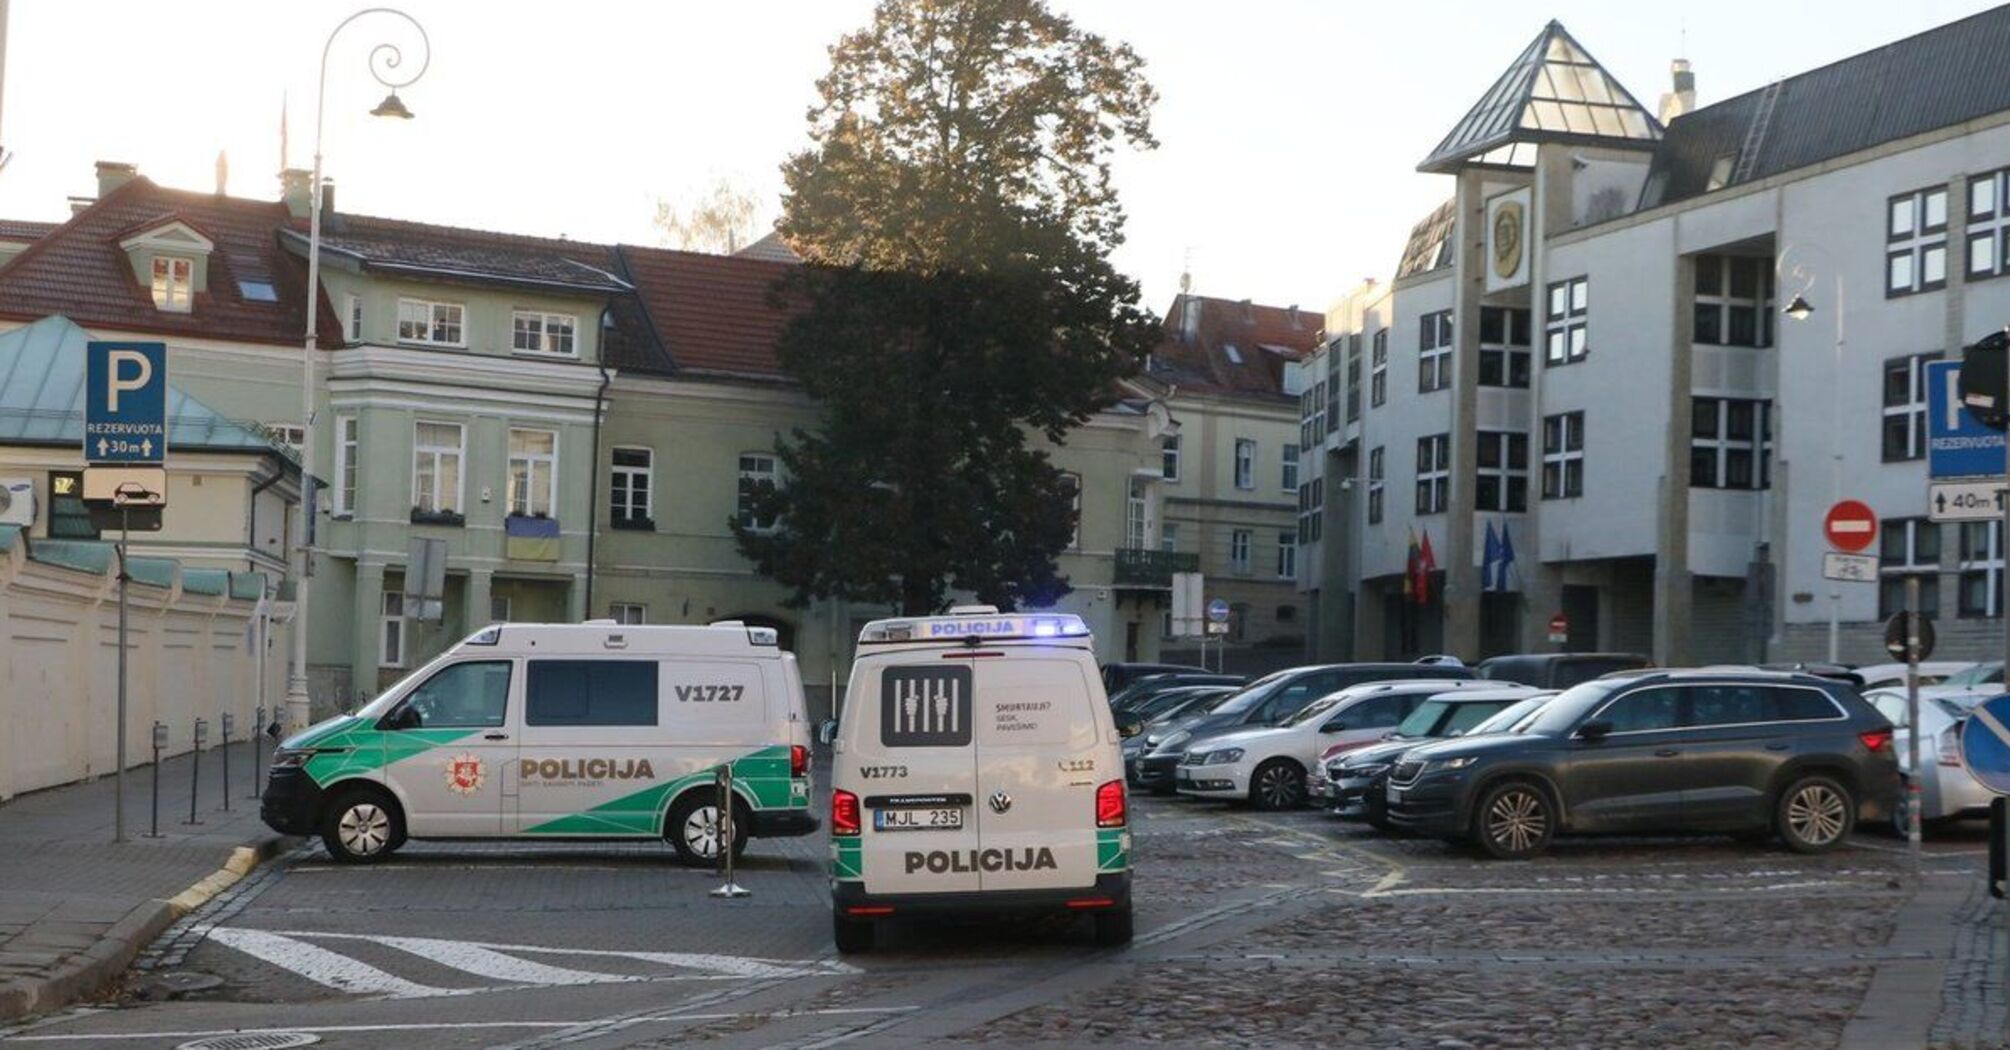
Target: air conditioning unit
17, 501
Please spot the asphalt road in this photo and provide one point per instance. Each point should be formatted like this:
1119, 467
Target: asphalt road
540, 945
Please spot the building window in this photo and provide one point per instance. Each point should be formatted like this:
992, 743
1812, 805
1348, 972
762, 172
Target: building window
1331, 417
1434, 473
436, 467
628, 614
1434, 351
542, 333
345, 465
1289, 470
421, 321
1245, 463
1989, 224
1137, 517
354, 329
1072, 484
1378, 369
1169, 537
1287, 614
1353, 378
533, 460
1564, 327
1504, 347
1376, 479
1910, 548
1238, 552
1915, 254
498, 608
757, 474
1730, 442
1318, 507
1563, 456
1169, 458
391, 636
1502, 484
1311, 505
1905, 407
1287, 555
1981, 568
629, 486
174, 283
1734, 301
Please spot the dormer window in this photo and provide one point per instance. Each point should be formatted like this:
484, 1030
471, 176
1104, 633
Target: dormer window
174, 283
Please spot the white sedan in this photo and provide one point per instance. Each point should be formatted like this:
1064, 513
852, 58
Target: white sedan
1267, 765
1946, 791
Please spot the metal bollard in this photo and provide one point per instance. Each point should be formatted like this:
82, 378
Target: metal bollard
160, 744
730, 890
257, 756
195, 768
228, 722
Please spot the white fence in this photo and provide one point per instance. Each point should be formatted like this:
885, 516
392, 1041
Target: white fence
193, 654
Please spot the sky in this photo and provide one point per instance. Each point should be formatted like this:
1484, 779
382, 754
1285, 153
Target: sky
1290, 130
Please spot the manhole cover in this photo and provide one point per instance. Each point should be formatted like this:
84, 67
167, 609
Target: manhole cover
252, 1041
182, 982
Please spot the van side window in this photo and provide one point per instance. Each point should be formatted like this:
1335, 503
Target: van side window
590, 693
468, 695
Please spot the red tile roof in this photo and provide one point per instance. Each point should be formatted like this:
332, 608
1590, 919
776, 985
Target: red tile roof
708, 313
78, 269
25, 229
1204, 336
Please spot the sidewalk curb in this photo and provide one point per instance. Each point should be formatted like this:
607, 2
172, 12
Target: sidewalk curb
89, 971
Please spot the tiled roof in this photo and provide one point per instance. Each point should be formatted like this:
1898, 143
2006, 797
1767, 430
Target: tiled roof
451, 252
706, 313
1934, 79
25, 229
1430, 244
79, 270
771, 248
42, 396
1227, 347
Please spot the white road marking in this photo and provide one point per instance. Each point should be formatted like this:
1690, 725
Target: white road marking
447, 1025
727, 965
483, 961
320, 965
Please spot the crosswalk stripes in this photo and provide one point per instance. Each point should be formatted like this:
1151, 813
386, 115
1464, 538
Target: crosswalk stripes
297, 952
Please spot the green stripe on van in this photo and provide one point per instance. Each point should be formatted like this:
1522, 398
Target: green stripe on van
847, 859
640, 813
370, 750
1110, 852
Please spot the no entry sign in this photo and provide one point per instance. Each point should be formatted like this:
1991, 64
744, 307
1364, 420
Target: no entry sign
1850, 526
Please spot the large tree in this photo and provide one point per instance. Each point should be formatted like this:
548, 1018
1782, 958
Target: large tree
721, 220
956, 212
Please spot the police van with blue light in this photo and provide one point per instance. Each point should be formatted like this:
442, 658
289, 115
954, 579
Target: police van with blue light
975, 770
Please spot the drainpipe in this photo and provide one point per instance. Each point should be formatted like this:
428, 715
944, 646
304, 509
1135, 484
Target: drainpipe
593, 478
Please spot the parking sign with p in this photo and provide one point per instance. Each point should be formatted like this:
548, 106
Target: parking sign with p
125, 403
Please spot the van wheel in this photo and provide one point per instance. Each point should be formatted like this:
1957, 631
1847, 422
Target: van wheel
852, 935
1513, 821
693, 828
1113, 927
1815, 814
1277, 784
362, 826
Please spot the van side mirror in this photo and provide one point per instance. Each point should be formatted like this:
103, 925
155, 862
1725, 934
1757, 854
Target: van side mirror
827, 731
1595, 730
406, 717
1129, 729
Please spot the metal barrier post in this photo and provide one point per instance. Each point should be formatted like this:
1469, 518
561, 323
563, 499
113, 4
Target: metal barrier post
730, 890
195, 768
160, 744
228, 722
257, 756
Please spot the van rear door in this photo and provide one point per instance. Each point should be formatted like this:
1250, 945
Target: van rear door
917, 774
1040, 757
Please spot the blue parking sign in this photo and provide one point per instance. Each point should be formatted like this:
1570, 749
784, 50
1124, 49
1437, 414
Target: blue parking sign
125, 403
1985, 744
1957, 445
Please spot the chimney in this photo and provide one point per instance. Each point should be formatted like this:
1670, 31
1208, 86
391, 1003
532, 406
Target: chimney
1682, 98
1293, 311
1189, 319
112, 174
293, 184
222, 172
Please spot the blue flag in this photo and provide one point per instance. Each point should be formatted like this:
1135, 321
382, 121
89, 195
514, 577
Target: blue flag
1506, 558
1489, 580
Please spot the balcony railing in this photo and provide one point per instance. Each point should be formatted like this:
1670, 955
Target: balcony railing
1151, 567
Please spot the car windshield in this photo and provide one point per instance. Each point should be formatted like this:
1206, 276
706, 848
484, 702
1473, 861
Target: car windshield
1504, 720
1563, 712
1153, 706
1958, 708
1980, 674
1254, 693
1424, 720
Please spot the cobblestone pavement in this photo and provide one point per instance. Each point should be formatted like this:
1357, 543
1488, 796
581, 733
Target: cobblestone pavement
1275, 930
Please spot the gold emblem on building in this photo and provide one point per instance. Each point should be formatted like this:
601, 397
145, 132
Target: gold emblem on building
1507, 239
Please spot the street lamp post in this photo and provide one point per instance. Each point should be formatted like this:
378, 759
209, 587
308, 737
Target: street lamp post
385, 59
1800, 310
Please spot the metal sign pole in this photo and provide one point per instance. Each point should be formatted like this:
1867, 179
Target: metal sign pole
119, 781
730, 890
195, 769
258, 745
1914, 799
160, 741
226, 722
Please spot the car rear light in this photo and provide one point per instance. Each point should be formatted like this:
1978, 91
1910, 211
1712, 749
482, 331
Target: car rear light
1876, 741
869, 909
1112, 810
844, 813
799, 760
1948, 751
1092, 902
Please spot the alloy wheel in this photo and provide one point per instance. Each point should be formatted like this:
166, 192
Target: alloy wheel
1277, 787
701, 831
365, 829
1516, 820
1816, 815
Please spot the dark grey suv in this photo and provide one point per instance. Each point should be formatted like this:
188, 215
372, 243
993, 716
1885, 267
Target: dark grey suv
1752, 753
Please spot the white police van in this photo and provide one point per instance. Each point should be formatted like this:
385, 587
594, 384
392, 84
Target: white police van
975, 770
561, 731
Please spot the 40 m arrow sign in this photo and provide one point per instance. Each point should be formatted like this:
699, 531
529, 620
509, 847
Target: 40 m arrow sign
125, 403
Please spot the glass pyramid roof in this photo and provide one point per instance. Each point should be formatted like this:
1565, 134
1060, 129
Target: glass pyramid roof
1554, 92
